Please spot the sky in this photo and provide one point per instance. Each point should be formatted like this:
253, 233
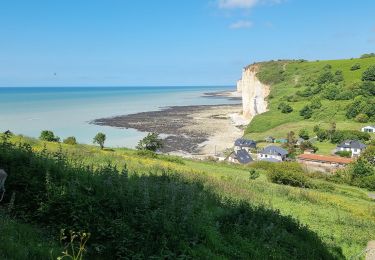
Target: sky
171, 42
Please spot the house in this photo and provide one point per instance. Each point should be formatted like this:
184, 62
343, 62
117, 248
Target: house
269, 139
353, 146
322, 163
243, 144
368, 129
273, 154
240, 156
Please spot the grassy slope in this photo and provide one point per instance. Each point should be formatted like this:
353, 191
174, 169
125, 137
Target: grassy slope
277, 124
23, 241
342, 216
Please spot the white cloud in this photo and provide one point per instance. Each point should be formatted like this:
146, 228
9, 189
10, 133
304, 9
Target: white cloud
244, 4
241, 25
232, 4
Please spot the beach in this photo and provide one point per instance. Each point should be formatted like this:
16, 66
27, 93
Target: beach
190, 131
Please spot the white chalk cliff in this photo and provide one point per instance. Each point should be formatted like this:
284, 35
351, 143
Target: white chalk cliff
254, 93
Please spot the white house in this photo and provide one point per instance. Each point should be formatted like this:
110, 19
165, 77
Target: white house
272, 154
369, 129
353, 146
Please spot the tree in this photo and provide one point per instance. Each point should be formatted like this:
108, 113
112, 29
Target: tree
369, 74
368, 87
291, 142
48, 136
307, 145
325, 77
362, 118
151, 142
338, 76
356, 66
304, 134
306, 112
70, 140
99, 139
287, 109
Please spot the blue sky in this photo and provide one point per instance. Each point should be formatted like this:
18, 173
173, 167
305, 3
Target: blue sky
171, 42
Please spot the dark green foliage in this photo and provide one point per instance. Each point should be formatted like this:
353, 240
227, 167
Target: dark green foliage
304, 134
327, 67
273, 73
325, 77
346, 154
367, 55
149, 216
338, 76
315, 103
307, 145
285, 108
342, 135
356, 66
306, 112
71, 140
48, 136
362, 118
361, 168
99, 139
253, 174
368, 87
289, 174
369, 74
151, 142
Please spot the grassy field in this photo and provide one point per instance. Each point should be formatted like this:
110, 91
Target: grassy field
342, 216
295, 75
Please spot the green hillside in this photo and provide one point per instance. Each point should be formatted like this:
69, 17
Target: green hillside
332, 90
162, 206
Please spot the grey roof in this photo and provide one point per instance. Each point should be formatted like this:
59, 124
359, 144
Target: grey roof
243, 156
373, 126
352, 144
245, 143
274, 150
269, 160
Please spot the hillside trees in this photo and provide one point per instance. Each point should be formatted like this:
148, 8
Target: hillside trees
99, 139
369, 74
49, 136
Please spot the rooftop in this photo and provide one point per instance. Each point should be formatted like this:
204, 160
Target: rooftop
324, 158
352, 144
274, 150
243, 156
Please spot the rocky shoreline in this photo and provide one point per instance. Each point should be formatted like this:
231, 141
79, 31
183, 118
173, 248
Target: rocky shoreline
187, 130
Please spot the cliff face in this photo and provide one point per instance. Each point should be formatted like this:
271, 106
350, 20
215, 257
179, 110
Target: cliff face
253, 92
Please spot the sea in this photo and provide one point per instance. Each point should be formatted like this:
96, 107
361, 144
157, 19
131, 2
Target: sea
68, 111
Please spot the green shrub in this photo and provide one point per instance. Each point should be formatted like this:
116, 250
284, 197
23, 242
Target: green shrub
369, 74
289, 174
356, 66
361, 118
346, 154
253, 174
367, 55
304, 134
306, 112
48, 136
71, 140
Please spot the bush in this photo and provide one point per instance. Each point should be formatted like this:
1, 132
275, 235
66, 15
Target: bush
367, 55
346, 154
151, 142
368, 87
289, 174
306, 112
48, 136
341, 135
361, 118
253, 174
369, 74
356, 66
307, 145
325, 77
71, 140
286, 109
304, 134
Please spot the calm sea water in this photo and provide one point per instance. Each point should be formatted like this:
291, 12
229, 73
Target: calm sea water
68, 111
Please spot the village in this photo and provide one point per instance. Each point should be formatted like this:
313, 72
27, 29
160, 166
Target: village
246, 151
